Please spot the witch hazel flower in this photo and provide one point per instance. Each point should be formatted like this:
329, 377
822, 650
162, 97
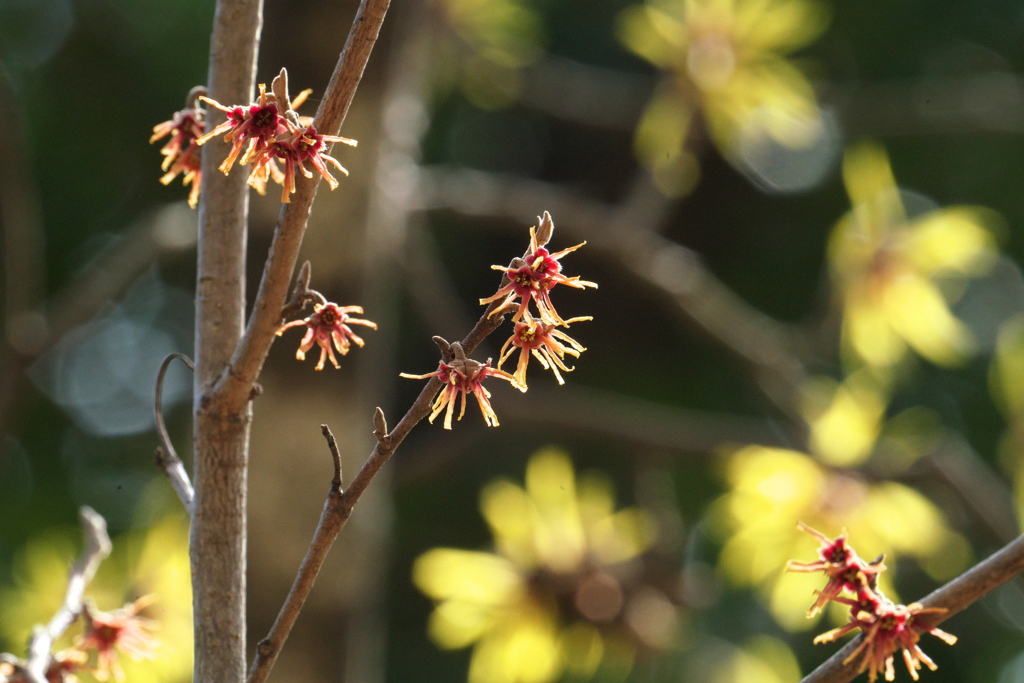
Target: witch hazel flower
891, 628
255, 125
181, 153
329, 329
886, 626
271, 131
532, 278
462, 376
844, 569
293, 150
544, 342
120, 631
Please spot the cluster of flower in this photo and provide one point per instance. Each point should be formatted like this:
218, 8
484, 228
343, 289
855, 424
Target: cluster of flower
886, 626
106, 634
269, 130
328, 325
527, 279
181, 153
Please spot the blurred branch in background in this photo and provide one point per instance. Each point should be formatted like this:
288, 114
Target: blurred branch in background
627, 233
91, 289
96, 548
985, 102
37, 667
597, 413
977, 485
21, 219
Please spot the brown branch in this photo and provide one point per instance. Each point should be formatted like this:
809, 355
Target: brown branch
96, 549
953, 597
332, 444
21, 223
166, 457
217, 545
301, 293
251, 352
339, 504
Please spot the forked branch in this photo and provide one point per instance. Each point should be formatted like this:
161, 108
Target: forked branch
339, 504
270, 301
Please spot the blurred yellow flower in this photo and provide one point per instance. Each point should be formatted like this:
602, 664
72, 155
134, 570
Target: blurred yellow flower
762, 659
772, 488
502, 37
887, 266
1006, 376
724, 58
555, 596
1006, 381
844, 419
151, 561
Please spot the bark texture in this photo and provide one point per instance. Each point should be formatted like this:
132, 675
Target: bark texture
222, 431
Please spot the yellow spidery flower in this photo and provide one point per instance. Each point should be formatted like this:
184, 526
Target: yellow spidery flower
726, 60
558, 541
886, 266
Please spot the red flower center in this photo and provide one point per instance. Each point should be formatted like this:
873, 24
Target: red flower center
107, 634
837, 554
264, 119
543, 264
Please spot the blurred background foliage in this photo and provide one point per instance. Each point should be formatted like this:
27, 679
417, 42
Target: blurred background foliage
803, 218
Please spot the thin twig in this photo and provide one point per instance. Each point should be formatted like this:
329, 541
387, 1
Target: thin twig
953, 597
332, 444
301, 293
339, 504
166, 457
95, 550
252, 350
268, 648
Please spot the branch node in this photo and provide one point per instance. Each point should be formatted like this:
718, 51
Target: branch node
265, 648
545, 228
380, 428
444, 346
256, 391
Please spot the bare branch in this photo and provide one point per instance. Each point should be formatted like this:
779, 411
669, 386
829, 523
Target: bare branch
335, 455
339, 504
96, 549
263, 323
217, 545
953, 597
301, 293
166, 457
